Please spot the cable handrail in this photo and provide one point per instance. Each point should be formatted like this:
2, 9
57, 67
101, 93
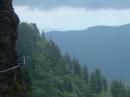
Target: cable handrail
14, 67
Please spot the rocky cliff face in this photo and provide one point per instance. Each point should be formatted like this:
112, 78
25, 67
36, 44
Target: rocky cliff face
8, 36
11, 82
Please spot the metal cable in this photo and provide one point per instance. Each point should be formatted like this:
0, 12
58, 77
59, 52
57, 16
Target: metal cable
14, 67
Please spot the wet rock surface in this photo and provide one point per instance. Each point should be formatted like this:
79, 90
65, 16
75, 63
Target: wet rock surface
8, 36
11, 82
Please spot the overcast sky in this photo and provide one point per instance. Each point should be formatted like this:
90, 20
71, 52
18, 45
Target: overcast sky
73, 14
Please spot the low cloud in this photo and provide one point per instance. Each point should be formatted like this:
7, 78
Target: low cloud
72, 19
88, 4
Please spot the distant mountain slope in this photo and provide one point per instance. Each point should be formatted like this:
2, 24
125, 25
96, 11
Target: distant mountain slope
104, 47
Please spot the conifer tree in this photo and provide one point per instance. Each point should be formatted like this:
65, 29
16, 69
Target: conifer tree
118, 89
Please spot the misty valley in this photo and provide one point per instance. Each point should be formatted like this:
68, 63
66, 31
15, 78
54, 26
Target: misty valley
50, 73
64, 48
103, 47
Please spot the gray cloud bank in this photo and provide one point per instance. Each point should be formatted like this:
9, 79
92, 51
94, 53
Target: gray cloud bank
88, 4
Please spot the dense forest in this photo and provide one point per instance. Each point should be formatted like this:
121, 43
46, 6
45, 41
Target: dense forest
48, 73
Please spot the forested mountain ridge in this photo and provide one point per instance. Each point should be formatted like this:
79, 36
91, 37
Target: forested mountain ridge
48, 73
101, 46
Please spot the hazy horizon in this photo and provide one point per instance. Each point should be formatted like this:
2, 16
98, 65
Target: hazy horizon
73, 15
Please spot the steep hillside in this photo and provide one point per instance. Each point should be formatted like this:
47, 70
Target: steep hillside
101, 47
50, 74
